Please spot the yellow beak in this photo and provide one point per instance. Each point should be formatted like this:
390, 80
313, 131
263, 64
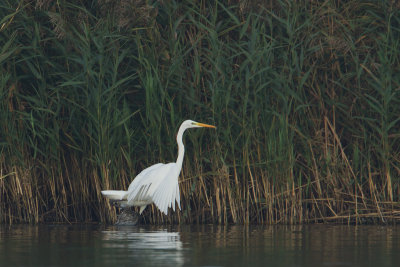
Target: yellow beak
205, 125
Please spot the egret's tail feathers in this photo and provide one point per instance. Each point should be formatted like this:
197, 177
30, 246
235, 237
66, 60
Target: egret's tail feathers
115, 194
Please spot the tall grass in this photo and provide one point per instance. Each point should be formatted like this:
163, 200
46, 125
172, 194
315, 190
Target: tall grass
305, 96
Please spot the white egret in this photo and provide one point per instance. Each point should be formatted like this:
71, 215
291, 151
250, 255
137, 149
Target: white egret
156, 184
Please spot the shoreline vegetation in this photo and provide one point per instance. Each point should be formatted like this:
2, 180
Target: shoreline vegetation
305, 95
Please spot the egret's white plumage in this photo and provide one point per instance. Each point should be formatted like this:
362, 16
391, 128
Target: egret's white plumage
156, 184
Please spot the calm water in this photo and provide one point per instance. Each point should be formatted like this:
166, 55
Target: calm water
315, 245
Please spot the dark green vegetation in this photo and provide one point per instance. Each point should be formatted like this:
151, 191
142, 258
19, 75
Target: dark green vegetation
305, 95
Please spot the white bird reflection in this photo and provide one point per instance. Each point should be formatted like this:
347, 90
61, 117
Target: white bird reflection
153, 246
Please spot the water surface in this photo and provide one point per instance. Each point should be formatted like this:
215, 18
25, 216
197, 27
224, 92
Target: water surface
204, 245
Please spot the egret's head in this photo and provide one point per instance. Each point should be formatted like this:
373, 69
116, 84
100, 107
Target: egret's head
193, 124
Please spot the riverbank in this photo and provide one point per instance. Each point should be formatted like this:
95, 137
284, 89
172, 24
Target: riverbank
305, 96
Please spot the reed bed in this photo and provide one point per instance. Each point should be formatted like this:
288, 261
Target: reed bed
305, 95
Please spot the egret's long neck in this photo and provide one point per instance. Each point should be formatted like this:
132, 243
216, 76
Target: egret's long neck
181, 147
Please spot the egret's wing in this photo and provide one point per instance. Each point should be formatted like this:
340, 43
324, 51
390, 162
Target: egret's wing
145, 183
167, 192
142, 176
158, 184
